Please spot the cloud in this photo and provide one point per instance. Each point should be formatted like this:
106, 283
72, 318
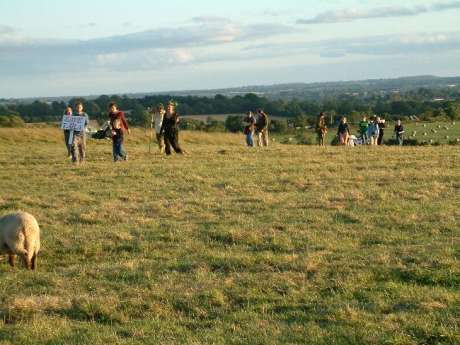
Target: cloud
210, 20
349, 15
143, 50
6, 30
421, 44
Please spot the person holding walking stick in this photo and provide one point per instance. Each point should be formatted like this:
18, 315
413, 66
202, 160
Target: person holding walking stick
157, 122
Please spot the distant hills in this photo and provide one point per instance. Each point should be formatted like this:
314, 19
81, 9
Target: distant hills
297, 90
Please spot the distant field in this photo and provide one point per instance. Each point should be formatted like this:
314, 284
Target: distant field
222, 117
436, 133
229, 245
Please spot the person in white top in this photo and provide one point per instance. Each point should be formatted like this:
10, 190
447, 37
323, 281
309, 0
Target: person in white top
157, 121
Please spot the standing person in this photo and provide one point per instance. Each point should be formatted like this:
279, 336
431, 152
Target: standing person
118, 119
249, 128
157, 121
321, 129
373, 131
262, 128
68, 112
79, 138
170, 129
399, 131
363, 128
382, 126
343, 131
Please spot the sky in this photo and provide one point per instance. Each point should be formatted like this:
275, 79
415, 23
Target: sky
91, 47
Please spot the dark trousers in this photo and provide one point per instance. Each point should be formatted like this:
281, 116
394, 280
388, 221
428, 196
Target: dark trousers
380, 138
119, 152
172, 140
67, 145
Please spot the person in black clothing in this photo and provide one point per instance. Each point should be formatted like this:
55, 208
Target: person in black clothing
170, 129
382, 126
343, 132
399, 131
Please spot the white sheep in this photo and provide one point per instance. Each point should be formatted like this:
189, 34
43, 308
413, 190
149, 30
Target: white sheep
20, 235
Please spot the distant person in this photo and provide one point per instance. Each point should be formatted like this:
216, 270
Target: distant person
170, 129
249, 129
321, 129
68, 112
382, 125
343, 131
79, 138
399, 132
157, 122
363, 128
119, 127
262, 124
373, 131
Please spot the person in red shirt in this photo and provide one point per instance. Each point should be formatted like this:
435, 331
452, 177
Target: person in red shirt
119, 126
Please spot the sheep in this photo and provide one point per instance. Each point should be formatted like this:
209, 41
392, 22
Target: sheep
20, 235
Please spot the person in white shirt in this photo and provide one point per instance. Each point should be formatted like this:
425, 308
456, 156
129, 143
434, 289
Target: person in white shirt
157, 122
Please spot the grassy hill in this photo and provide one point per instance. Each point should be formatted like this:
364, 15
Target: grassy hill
228, 245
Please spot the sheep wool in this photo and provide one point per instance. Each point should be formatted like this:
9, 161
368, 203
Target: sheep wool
20, 235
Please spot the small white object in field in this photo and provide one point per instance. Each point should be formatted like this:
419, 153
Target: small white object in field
447, 137
298, 128
434, 130
458, 140
439, 126
446, 128
424, 125
425, 134
291, 139
431, 141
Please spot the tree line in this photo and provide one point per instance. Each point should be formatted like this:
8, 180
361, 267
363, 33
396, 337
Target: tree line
302, 111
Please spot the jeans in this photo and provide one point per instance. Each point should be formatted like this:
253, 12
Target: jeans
400, 140
78, 148
250, 139
119, 152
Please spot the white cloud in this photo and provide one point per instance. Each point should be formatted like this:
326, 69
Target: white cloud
352, 14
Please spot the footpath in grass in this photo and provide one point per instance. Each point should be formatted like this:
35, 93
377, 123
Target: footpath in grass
229, 245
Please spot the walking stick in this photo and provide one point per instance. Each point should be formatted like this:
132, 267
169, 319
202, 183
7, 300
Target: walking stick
151, 134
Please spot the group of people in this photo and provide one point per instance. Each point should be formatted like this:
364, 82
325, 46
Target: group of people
164, 120
371, 132
256, 125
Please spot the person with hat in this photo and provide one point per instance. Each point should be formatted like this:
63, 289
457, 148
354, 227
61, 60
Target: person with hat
157, 122
321, 129
170, 129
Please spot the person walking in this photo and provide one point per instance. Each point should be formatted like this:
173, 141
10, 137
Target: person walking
249, 128
78, 149
119, 127
170, 129
363, 128
157, 123
343, 132
321, 129
399, 131
382, 125
373, 131
262, 125
68, 112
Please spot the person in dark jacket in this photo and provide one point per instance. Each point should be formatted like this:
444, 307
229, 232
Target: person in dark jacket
119, 127
262, 124
249, 128
343, 132
170, 129
382, 126
399, 131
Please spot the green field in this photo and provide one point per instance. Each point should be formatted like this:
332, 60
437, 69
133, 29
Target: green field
428, 133
229, 245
